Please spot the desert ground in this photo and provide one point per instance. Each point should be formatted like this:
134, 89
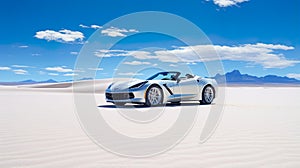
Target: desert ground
39, 127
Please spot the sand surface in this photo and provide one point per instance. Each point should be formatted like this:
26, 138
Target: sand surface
39, 127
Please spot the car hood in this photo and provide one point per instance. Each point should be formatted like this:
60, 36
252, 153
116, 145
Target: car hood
124, 85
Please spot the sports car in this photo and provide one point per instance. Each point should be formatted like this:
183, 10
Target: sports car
162, 88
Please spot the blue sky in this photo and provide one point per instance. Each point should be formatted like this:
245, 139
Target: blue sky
41, 40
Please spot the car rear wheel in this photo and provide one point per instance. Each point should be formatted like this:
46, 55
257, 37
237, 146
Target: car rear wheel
154, 96
208, 95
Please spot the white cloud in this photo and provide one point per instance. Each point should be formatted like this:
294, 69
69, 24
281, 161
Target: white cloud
83, 26
169, 56
123, 53
117, 32
96, 26
137, 63
65, 36
271, 46
266, 55
262, 54
93, 26
53, 74
70, 74
129, 74
23, 46
96, 69
227, 3
59, 69
293, 75
173, 65
20, 71
4, 68
74, 53
142, 55
21, 66
111, 53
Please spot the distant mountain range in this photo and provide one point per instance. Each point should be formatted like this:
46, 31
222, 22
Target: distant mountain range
234, 77
27, 82
31, 82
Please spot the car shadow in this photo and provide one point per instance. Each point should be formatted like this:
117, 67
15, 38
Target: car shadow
125, 106
143, 106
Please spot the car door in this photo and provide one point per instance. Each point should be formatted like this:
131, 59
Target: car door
186, 89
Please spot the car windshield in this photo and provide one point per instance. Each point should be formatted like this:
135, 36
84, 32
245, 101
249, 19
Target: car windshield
165, 76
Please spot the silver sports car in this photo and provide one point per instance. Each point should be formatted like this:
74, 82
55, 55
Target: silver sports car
162, 88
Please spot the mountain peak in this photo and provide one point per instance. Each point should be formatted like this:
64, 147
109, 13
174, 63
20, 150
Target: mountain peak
236, 77
49, 81
235, 72
28, 81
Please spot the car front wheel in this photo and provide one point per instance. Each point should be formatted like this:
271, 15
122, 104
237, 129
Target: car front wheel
208, 95
154, 96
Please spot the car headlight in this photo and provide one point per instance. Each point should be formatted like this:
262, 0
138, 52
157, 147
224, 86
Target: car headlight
138, 85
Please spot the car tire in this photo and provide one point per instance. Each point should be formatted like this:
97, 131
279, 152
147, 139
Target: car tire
154, 96
208, 95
